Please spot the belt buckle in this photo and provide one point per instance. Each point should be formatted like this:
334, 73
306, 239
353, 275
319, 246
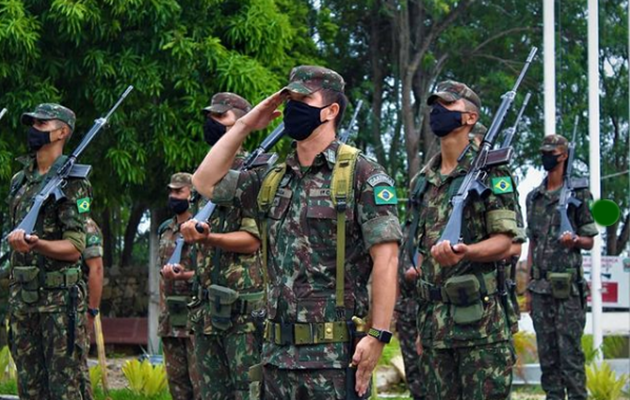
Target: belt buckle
329, 331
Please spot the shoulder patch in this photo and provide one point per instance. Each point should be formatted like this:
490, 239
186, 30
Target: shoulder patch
502, 185
83, 205
385, 195
380, 178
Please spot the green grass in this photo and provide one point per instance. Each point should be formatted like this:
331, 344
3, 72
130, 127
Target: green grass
126, 394
390, 351
9, 387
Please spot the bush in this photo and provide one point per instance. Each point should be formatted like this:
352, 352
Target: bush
145, 379
602, 382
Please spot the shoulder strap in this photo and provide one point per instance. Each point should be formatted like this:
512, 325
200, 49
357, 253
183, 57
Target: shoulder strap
16, 183
341, 192
163, 226
414, 202
267, 193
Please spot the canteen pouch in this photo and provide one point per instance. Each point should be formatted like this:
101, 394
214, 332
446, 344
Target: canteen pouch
27, 278
560, 284
177, 307
221, 299
464, 295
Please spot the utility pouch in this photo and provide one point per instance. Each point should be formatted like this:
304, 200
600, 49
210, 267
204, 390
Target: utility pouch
464, 295
27, 278
560, 284
221, 299
177, 310
255, 381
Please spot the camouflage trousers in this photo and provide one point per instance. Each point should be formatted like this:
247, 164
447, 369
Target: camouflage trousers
559, 325
39, 343
470, 373
224, 360
298, 384
407, 333
181, 368
86, 385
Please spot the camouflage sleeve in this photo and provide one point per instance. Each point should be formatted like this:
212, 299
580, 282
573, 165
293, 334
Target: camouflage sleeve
501, 204
239, 189
583, 217
376, 205
72, 212
528, 210
249, 225
521, 236
93, 242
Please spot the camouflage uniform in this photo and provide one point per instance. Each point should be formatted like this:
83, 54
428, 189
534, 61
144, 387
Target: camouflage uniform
301, 227
406, 327
226, 349
39, 303
93, 249
178, 345
559, 323
466, 357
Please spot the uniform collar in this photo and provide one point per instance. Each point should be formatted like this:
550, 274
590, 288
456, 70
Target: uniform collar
432, 169
327, 157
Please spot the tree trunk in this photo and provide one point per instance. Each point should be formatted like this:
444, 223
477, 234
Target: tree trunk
154, 284
130, 233
108, 238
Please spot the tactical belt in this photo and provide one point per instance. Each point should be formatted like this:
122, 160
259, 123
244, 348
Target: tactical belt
47, 280
244, 305
538, 273
433, 293
289, 334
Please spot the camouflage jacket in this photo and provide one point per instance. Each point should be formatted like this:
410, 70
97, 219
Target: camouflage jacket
495, 214
302, 248
239, 272
93, 240
543, 224
63, 220
406, 304
167, 233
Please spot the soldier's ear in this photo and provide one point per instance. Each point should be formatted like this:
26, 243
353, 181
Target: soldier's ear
331, 112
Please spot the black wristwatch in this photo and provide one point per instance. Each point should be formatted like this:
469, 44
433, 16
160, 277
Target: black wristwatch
93, 311
382, 336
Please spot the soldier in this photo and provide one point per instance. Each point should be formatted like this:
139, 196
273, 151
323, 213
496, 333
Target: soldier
463, 326
176, 291
47, 299
317, 273
558, 288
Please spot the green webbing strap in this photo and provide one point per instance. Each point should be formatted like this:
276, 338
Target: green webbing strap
341, 192
416, 199
265, 199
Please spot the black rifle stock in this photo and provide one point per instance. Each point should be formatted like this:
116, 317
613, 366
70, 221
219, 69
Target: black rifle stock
474, 181
54, 186
567, 193
206, 211
343, 138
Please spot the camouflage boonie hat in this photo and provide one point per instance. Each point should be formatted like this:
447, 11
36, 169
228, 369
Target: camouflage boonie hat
452, 91
307, 79
552, 142
180, 180
225, 101
48, 111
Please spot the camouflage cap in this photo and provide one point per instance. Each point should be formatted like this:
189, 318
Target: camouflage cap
180, 180
307, 79
225, 101
552, 142
452, 91
48, 111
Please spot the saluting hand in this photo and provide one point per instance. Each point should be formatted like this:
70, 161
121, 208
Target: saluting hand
264, 112
366, 356
447, 255
21, 242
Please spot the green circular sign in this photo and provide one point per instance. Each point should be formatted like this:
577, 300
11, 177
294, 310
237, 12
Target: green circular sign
605, 212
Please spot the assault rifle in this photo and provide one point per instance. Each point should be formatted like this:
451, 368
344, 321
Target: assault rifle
206, 212
473, 182
567, 193
69, 169
345, 135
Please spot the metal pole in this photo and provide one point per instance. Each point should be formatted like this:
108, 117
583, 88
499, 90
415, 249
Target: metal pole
594, 157
549, 45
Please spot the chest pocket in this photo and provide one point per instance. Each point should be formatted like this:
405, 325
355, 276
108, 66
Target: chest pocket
280, 204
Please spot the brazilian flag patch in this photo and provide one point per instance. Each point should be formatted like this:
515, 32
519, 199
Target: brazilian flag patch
502, 185
83, 205
385, 195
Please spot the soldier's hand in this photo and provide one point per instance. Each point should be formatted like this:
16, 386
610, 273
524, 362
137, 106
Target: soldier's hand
189, 231
447, 255
168, 271
569, 240
22, 243
366, 356
419, 348
265, 112
411, 274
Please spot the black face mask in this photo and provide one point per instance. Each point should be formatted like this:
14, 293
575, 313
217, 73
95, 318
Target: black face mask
550, 161
37, 139
300, 119
444, 121
178, 206
213, 131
